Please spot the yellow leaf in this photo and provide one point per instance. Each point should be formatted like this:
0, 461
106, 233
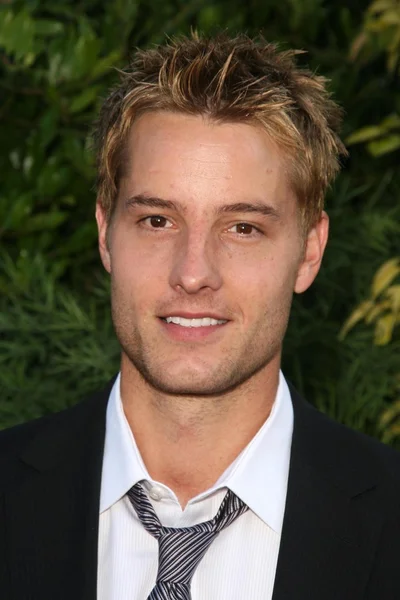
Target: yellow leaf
391, 17
385, 275
384, 329
365, 134
390, 433
395, 43
376, 311
393, 293
384, 145
390, 413
392, 61
391, 122
395, 429
359, 313
381, 5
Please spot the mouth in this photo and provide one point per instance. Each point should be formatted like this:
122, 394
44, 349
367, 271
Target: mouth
194, 322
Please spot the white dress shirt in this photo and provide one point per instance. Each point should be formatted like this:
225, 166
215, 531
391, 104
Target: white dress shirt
241, 562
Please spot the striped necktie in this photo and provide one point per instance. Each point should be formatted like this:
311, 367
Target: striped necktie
181, 549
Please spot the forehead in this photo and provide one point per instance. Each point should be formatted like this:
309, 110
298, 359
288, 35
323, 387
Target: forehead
193, 158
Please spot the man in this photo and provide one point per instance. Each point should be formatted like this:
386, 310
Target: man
198, 473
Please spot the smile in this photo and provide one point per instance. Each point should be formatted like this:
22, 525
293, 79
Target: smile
203, 322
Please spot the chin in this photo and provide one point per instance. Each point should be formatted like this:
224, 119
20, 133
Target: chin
193, 382
193, 377
185, 384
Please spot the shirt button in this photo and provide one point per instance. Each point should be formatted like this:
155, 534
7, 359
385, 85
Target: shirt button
156, 493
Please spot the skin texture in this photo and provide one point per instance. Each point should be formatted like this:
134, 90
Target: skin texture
182, 242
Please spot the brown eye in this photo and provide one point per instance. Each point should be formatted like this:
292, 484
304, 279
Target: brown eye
158, 221
244, 228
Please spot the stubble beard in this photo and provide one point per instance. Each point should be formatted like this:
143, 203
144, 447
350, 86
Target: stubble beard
236, 367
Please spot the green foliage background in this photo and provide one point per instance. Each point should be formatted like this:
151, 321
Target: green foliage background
57, 60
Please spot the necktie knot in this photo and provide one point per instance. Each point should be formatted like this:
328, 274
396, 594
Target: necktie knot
181, 549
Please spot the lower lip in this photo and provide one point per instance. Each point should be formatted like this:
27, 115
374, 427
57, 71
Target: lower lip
191, 334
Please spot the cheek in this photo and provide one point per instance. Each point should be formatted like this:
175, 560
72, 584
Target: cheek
261, 283
137, 262
249, 267
138, 277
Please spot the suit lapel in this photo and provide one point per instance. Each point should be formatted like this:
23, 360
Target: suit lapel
331, 522
55, 498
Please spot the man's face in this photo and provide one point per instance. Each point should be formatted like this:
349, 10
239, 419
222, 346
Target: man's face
205, 250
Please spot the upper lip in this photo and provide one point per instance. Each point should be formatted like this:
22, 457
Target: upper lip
197, 315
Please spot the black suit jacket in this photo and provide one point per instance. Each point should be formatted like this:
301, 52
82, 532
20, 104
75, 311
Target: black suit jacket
341, 530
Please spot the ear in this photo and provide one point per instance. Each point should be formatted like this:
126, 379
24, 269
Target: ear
102, 226
313, 253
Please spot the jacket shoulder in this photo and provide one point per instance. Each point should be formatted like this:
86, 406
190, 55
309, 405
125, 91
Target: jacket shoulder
336, 447
14, 439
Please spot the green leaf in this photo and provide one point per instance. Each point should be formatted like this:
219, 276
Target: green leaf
391, 122
53, 178
48, 127
80, 240
86, 53
105, 64
55, 72
83, 100
14, 212
75, 152
62, 11
17, 35
47, 27
73, 57
365, 134
387, 144
45, 221
127, 8
208, 17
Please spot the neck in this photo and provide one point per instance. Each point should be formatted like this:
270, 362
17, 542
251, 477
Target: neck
188, 442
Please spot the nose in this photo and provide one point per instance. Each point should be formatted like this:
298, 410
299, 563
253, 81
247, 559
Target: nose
195, 265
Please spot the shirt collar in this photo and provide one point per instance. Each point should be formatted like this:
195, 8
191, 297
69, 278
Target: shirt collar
123, 466
259, 475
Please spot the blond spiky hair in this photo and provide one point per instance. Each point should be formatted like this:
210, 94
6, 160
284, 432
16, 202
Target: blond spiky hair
228, 80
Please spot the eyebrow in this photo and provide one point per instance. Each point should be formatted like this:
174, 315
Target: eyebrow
260, 208
153, 202
256, 207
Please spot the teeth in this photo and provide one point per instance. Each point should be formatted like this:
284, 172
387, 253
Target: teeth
205, 322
